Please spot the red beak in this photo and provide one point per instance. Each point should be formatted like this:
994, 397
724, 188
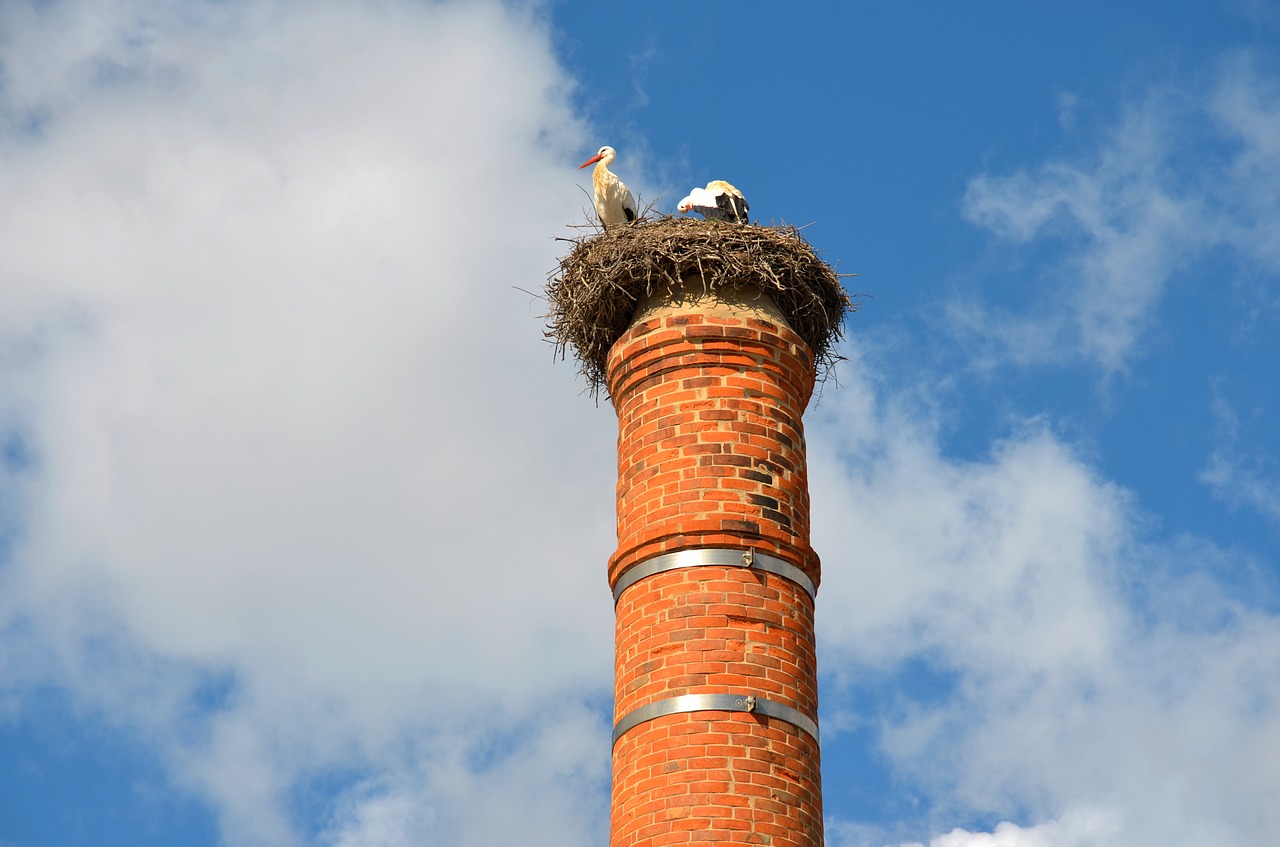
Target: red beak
590, 161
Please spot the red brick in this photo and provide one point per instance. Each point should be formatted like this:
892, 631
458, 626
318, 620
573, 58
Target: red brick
711, 453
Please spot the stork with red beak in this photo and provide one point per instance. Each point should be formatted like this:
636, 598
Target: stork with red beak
719, 201
613, 200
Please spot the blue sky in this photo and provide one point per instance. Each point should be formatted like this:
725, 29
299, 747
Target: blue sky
303, 532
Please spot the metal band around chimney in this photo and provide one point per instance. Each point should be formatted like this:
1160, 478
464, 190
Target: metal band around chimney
703, 556
717, 703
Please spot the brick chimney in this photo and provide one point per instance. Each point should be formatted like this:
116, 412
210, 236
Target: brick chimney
715, 696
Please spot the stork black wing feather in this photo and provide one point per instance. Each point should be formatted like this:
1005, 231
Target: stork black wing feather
735, 208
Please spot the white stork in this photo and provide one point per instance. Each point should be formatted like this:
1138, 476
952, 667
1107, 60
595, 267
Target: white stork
613, 200
719, 201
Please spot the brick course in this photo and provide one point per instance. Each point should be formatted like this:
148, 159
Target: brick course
711, 453
710, 444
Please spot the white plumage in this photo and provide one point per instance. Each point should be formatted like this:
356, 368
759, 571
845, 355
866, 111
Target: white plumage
613, 200
719, 201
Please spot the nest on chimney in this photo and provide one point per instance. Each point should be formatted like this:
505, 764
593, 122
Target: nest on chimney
594, 292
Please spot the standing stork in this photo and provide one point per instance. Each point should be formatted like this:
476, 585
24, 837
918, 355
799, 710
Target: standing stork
719, 201
613, 200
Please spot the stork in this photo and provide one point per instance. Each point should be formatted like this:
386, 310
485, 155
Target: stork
719, 201
613, 200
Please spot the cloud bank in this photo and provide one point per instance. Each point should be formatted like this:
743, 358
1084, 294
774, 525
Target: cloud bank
1082, 669
286, 448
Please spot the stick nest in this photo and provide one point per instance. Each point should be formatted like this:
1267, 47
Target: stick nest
594, 292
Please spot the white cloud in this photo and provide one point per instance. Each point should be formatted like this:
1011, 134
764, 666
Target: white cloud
1246, 105
291, 426
1079, 829
1081, 665
1019, 534
1240, 480
641, 61
1124, 235
1241, 485
1120, 223
547, 786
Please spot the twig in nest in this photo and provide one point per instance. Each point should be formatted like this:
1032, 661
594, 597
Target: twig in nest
594, 292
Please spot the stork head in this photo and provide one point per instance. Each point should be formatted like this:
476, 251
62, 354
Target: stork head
606, 154
685, 205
